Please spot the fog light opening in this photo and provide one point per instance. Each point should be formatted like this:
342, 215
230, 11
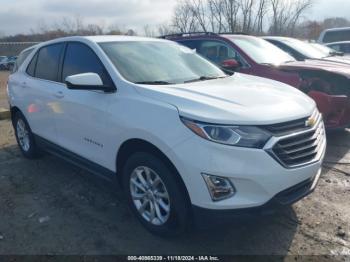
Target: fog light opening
220, 188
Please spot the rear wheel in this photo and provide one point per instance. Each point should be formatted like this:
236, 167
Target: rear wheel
24, 136
155, 196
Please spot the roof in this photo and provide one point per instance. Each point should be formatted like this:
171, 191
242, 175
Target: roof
237, 36
337, 29
337, 43
100, 39
118, 38
278, 38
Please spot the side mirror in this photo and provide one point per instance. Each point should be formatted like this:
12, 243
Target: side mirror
230, 64
86, 81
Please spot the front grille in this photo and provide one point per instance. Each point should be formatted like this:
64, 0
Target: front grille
302, 148
282, 129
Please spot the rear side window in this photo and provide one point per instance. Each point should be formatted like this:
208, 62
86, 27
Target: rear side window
79, 59
48, 62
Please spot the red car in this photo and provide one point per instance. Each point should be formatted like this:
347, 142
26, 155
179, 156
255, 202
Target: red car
328, 83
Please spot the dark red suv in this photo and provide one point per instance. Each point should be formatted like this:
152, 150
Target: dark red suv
326, 82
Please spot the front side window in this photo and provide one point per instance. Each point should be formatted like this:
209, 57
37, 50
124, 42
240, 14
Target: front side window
192, 44
345, 48
218, 52
79, 59
261, 51
159, 62
335, 47
48, 62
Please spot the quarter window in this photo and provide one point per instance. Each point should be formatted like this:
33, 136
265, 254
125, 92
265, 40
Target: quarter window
31, 66
48, 62
80, 59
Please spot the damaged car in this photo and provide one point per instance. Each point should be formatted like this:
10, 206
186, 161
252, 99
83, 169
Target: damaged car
301, 50
327, 82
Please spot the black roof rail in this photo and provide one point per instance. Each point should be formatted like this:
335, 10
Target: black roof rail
187, 34
234, 33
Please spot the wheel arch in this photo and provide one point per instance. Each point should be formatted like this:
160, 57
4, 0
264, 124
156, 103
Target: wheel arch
132, 146
14, 110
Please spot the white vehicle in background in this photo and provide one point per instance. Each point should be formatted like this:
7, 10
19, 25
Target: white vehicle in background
327, 50
334, 35
343, 47
184, 139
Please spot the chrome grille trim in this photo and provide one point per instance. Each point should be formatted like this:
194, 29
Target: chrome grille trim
290, 127
300, 148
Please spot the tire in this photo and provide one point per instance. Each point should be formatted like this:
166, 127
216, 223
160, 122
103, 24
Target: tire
24, 136
166, 194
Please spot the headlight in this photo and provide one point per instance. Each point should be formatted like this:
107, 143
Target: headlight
241, 136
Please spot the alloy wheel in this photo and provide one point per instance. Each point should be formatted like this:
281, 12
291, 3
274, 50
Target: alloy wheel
150, 195
23, 135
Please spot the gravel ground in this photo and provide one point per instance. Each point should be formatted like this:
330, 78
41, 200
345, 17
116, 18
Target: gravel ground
3, 80
50, 207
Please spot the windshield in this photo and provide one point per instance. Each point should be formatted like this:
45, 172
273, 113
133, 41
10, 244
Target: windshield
325, 49
305, 49
155, 62
261, 51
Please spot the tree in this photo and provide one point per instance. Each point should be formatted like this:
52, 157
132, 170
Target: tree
183, 18
231, 9
216, 15
247, 8
286, 14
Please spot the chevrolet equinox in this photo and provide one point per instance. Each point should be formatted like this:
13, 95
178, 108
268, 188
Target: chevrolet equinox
184, 139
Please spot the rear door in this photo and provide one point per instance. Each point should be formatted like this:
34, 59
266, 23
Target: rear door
41, 89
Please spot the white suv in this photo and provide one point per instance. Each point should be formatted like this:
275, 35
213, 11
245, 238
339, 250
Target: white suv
184, 139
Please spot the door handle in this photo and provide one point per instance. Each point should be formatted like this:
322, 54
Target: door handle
59, 94
24, 84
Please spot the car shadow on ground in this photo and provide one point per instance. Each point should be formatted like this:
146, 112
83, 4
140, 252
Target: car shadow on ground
88, 215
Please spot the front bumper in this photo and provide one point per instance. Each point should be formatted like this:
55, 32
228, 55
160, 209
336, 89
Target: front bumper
257, 177
203, 216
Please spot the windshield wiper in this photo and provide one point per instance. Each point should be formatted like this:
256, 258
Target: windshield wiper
204, 78
154, 83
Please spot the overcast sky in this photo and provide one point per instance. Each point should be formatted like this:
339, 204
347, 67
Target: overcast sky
20, 16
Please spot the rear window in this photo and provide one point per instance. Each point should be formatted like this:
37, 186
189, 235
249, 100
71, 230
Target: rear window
336, 36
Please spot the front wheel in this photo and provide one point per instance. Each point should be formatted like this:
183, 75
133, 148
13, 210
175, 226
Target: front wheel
155, 195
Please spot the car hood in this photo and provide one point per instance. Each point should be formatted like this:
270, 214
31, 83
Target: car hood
239, 99
339, 59
318, 65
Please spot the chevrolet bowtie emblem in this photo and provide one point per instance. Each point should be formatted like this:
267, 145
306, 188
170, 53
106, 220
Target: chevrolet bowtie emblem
311, 122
